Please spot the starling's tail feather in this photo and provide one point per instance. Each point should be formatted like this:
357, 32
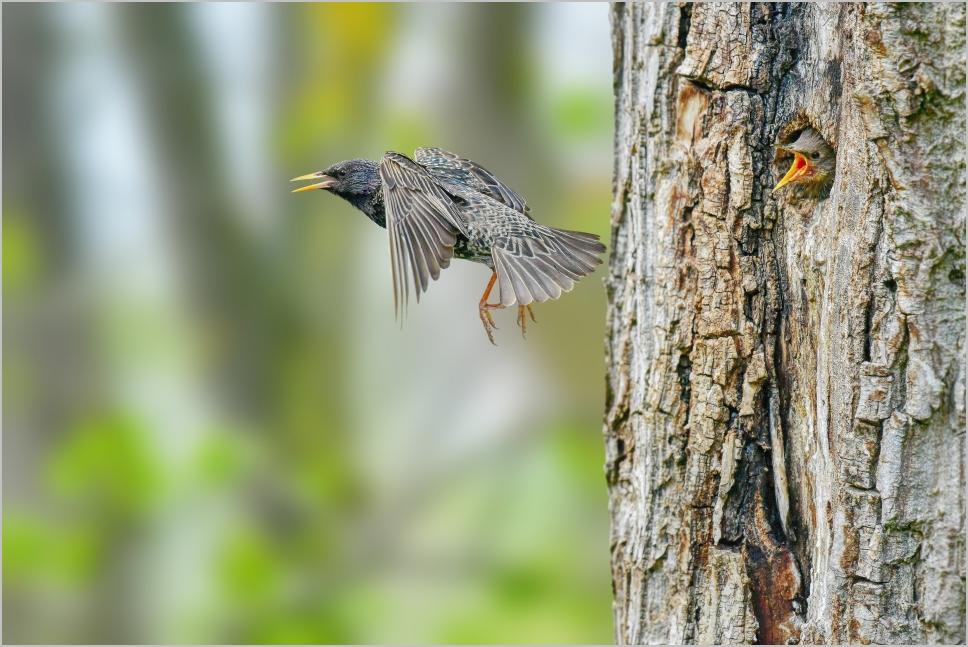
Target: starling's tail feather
539, 269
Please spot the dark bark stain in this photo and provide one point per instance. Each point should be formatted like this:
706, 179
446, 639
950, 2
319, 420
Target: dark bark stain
833, 73
868, 324
683, 369
750, 521
685, 22
775, 584
957, 277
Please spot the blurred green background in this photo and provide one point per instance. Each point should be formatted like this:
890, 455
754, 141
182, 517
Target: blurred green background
213, 429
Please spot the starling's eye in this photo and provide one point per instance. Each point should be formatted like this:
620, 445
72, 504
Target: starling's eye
815, 155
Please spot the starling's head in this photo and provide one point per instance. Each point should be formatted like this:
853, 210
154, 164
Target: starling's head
814, 163
349, 179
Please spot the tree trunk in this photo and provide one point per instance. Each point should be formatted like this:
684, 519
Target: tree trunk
785, 422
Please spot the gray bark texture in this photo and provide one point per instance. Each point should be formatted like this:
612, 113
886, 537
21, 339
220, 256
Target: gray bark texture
785, 418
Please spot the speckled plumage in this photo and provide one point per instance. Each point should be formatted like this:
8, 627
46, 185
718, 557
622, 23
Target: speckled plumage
438, 206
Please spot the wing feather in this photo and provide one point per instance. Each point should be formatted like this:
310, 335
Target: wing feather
429, 241
475, 176
418, 261
423, 222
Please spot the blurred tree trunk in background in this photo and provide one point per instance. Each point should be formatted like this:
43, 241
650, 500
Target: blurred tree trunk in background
46, 332
785, 421
495, 89
231, 283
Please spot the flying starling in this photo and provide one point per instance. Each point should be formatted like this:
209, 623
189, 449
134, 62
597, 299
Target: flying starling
814, 162
438, 206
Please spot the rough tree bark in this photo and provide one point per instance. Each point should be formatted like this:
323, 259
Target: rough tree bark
785, 423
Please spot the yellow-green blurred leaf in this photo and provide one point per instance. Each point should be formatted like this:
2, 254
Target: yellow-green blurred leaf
106, 464
219, 460
35, 551
583, 113
248, 569
21, 252
25, 548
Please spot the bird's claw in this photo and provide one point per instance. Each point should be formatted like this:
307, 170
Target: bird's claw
490, 319
485, 312
490, 335
522, 320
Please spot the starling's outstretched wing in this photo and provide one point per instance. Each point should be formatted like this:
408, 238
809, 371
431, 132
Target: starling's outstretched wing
449, 167
537, 263
422, 225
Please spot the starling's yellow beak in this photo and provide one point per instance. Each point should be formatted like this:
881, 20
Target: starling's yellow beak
799, 167
325, 184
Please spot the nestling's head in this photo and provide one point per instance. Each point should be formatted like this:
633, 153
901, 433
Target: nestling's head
814, 163
352, 178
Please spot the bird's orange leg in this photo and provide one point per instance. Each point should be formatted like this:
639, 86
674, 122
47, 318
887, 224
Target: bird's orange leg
522, 320
484, 309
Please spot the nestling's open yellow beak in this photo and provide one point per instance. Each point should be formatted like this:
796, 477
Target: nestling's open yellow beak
799, 167
325, 184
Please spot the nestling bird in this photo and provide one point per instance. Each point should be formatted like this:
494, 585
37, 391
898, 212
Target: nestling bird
438, 206
814, 163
